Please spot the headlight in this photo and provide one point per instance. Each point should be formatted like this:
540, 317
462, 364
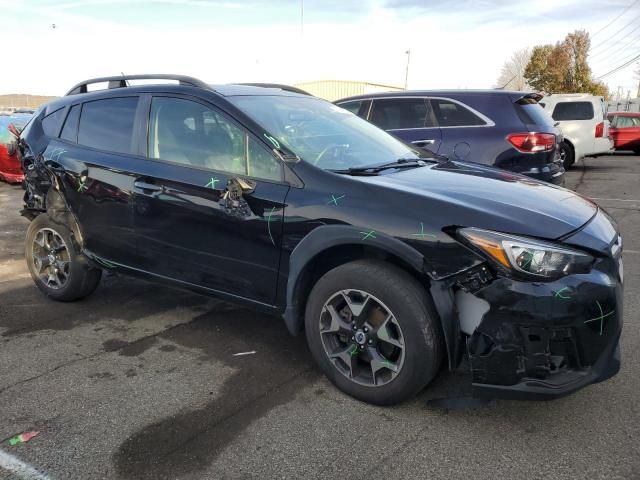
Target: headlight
526, 255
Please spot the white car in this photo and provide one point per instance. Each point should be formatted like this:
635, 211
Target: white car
583, 121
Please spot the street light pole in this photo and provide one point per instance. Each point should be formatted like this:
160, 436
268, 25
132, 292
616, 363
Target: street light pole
406, 73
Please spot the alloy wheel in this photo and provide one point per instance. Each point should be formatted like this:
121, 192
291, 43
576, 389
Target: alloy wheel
362, 338
50, 258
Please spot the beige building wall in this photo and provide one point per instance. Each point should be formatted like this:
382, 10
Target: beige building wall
335, 89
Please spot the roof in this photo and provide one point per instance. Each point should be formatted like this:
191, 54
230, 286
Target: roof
233, 90
442, 93
625, 114
572, 95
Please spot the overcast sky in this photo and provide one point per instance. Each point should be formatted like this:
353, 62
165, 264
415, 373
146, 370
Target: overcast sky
454, 44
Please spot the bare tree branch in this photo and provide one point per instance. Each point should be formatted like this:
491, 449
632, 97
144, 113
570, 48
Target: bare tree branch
512, 73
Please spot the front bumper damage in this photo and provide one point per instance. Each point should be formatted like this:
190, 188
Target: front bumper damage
543, 340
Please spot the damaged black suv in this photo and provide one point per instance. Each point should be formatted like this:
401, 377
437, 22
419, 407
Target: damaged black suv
391, 259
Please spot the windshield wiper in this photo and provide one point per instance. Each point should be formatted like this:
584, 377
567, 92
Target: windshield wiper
375, 169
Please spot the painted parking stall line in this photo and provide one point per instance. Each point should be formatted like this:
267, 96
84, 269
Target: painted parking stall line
19, 468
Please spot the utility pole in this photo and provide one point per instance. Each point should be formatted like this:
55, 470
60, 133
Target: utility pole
406, 73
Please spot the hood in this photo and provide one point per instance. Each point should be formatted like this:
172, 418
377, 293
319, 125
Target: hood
470, 195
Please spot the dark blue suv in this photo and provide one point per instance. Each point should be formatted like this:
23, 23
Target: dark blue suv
504, 129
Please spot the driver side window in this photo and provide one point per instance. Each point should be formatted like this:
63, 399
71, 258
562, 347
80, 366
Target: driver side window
189, 133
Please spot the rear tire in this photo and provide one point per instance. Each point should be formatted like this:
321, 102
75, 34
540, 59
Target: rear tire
567, 155
57, 268
381, 342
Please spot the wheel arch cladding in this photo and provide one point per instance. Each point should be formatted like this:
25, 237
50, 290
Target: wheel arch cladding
328, 246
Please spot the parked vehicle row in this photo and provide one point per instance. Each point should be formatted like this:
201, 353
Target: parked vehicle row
10, 127
625, 130
498, 128
392, 260
584, 124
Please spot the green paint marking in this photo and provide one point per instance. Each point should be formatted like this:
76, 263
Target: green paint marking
56, 152
335, 199
212, 183
421, 233
389, 365
369, 234
82, 187
273, 209
601, 317
273, 141
353, 350
559, 293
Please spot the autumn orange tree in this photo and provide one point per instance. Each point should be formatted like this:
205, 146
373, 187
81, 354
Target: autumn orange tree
563, 67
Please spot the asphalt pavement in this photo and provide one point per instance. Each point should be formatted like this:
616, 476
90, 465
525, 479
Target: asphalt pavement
140, 381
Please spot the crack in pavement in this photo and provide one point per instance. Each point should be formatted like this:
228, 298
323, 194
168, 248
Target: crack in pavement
97, 354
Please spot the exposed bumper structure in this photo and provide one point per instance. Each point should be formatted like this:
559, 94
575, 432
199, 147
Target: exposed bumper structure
543, 340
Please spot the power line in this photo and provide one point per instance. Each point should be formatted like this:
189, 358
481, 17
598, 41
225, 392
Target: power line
626, 64
614, 60
632, 22
611, 53
623, 12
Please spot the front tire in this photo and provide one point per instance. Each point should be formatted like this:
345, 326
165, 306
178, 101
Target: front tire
372, 329
57, 268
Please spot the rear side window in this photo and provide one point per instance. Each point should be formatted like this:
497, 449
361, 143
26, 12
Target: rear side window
627, 122
451, 114
51, 123
108, 124
533, 114
70, 129
398, 113
573, 111
353, 107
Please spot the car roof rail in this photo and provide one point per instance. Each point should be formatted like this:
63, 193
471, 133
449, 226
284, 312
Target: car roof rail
120, 81
286, 88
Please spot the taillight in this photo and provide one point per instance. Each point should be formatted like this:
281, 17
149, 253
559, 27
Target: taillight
600, 130
532, 142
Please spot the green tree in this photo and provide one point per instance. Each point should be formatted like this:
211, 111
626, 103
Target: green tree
563, 67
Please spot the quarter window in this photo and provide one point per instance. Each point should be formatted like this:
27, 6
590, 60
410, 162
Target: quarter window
573, 111
452, 114
52, 122
70, 129
108, 124
191, 134
398, 113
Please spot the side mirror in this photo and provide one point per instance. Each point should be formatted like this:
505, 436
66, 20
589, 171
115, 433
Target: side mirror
237, 187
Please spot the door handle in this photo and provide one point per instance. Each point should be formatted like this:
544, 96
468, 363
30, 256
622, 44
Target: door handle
421, 143
147, 187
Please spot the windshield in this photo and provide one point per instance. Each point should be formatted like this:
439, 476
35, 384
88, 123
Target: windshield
322, 133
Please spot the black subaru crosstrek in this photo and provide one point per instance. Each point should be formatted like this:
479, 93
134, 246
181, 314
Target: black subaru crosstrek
392, 260
500, 128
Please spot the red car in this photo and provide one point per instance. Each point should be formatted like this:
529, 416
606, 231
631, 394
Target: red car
10, 128
625, 130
